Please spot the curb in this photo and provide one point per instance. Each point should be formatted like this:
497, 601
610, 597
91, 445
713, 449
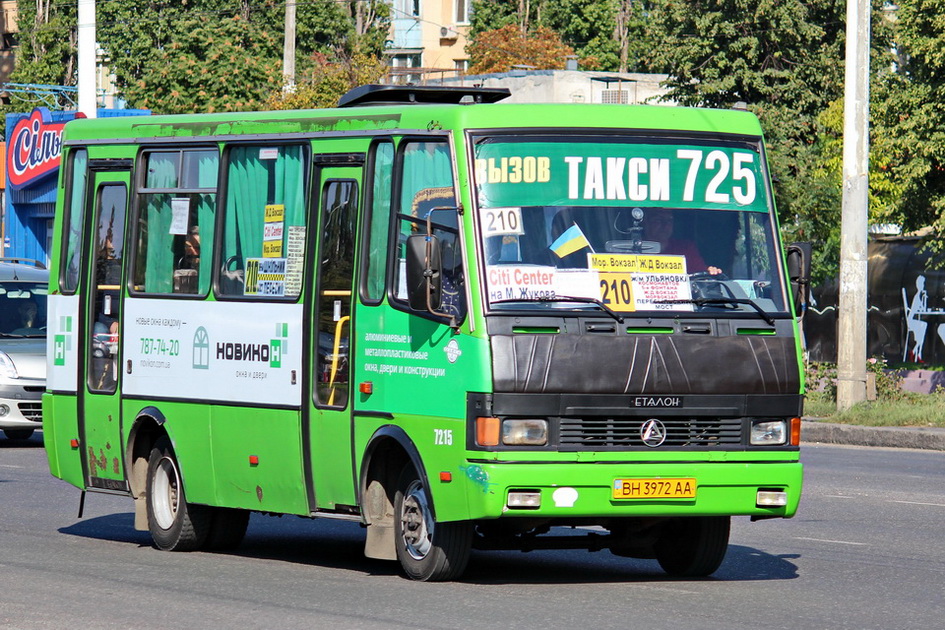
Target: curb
814, 431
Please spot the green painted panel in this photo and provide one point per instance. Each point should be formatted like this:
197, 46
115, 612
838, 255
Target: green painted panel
103, 441
273, 436
60, 427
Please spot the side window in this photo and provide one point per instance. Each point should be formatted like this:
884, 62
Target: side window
426, 185
374, 257
176, 209
264, 222
77, 180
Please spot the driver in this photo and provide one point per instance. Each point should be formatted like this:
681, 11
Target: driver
658, 226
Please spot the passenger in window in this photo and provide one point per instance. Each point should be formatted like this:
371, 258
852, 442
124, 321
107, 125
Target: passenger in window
192, 249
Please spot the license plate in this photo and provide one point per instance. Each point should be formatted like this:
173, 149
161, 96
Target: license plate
675, 488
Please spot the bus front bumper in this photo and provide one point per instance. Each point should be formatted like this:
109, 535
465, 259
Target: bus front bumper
587, 491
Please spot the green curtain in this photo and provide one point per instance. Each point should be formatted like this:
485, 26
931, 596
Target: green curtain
254, 183
207, 172
159, 261
426, 165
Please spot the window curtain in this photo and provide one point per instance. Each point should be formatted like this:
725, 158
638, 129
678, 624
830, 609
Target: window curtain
207, 172
159, 278
426, 165
254, 183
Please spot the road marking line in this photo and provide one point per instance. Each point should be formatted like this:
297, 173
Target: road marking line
919, 503
838, 542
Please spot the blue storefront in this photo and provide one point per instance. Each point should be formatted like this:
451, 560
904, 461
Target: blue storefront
34, 146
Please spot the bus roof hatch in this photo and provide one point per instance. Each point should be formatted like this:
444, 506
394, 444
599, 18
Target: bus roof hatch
419, 94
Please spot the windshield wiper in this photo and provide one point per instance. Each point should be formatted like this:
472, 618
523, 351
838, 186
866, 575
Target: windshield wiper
568, 298
721, 301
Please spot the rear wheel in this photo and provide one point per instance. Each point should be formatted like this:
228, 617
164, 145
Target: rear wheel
174, 524
18, 434
427, 550
693, 546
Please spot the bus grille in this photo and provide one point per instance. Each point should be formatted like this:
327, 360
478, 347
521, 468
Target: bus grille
32, 411
596, 433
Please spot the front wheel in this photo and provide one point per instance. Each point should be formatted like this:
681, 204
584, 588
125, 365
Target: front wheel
427, 550
175, 525
693, 546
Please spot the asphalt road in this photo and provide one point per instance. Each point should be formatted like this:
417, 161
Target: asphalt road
865, 551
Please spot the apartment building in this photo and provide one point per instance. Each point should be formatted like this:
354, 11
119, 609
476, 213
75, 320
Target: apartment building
428, 40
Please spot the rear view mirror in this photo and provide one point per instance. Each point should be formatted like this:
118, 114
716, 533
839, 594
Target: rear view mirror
424, 280
798, 264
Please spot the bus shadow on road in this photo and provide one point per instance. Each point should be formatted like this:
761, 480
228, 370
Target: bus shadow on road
113, 527
335, 545
579, 567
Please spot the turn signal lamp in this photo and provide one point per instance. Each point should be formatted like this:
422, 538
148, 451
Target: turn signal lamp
795, 431
487, 431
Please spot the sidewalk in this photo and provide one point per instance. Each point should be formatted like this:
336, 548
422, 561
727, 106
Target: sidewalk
816, 431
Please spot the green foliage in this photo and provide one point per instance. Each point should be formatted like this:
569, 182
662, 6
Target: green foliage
909, 118
47, 50
784, 58
224, 65
821, 381
499, 50
604, 34
153, 47
326, 81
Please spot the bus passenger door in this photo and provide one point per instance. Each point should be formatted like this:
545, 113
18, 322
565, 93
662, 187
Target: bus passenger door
329, 417
100, 375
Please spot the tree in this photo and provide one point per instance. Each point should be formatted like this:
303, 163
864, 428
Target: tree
144, 41
605, 34
223, 65
909, 117
781, 58
325, 81
503, 48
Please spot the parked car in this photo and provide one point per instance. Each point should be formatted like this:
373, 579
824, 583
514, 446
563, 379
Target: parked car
23, 289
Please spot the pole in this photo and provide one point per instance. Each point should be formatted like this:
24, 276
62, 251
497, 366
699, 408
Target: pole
851, 334
288, 49
86, 58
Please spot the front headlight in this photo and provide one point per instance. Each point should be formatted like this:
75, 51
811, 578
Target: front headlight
7, 367
531, 432
769, 432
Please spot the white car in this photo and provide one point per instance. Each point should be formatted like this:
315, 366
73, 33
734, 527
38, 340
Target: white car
23, 289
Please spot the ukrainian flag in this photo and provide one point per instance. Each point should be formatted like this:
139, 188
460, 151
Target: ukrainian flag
570, 241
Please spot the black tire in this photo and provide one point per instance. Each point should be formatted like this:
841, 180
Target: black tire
693, 546
175, 525
18, 434
428, 551
227, 529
